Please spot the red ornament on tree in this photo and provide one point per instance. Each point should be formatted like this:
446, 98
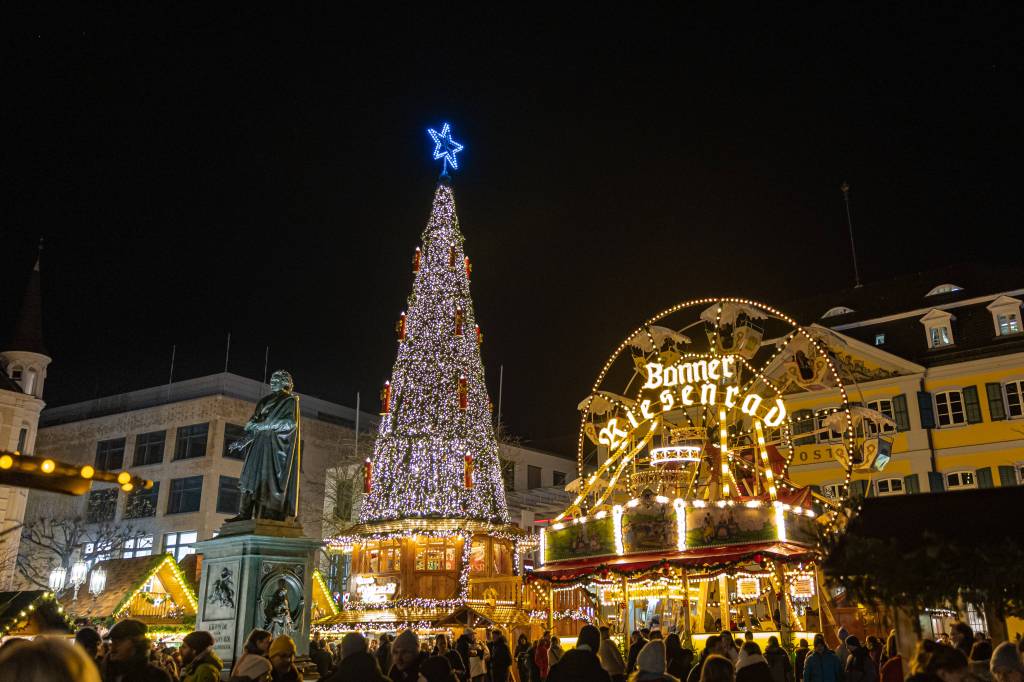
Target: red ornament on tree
479, 336
400, 327
469, 268
758, 558
459, 315
469, 471
367, 475
463, 392
416, 260
385, 398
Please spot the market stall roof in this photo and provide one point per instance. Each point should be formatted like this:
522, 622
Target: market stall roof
32, 612
697, 558
484, 614
408, 616
126, 577
323, 600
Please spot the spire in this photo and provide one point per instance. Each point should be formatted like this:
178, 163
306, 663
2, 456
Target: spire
28, 330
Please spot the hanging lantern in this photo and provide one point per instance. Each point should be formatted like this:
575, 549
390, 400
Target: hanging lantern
385, 398
451, 257
416, 260
459, 316
97, 581
58, 577
463, 392
400, 327
367, 475
469, 471
479, 336
469, 268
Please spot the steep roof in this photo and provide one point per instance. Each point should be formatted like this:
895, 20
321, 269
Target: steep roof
28, 329
43, 613
127, 576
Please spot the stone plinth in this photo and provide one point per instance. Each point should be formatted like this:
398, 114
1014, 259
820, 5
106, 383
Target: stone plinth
242, 569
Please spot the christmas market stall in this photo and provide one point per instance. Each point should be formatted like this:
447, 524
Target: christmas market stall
28, 613
690, 523
152, 589
433, 543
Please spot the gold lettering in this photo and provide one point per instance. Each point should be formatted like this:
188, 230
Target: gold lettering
667, 400
751, 403
670, 377
653, 375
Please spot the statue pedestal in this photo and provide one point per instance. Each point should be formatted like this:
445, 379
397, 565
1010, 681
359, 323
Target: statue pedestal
247, 568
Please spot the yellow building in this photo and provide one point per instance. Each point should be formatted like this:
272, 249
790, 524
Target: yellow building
942, 355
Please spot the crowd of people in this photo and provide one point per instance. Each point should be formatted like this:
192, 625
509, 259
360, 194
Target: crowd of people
127, 654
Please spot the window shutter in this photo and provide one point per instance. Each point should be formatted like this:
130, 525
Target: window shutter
984, 477
911, 484
972, 407
936, 484
900, 413
996, 406
924, 404
1007, 476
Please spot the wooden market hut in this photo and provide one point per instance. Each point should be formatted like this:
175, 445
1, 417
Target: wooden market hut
152, 589
27, 613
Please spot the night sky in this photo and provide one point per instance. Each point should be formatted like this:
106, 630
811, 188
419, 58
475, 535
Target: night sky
270, 175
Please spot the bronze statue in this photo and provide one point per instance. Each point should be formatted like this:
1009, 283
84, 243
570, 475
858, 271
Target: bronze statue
270, 475
279, 619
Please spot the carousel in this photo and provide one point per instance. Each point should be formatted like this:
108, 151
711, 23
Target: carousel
690, 523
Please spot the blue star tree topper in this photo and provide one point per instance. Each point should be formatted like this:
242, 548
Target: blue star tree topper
445, 147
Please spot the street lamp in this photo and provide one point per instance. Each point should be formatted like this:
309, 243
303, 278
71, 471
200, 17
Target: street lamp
58, 576
79, 570
97, 581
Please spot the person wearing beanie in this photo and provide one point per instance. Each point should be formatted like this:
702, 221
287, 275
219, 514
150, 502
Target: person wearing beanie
352, 643
282, 659
652, 664
778, 661
822, 664
581, 664
128, 655
405, 654
1005, 664
201, 662
859, 666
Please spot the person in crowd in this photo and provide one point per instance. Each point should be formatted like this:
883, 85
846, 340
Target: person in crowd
728, 646
321, 659
751, 665
89, 639
717, 668
842, 652
711, 646
947, 663
47, 659
637, 641
501, 659
532, 661
253, 664
202, 664
962, 637
454, 659
541, 654
1005, 665
373, 646
876, 650
581, 663
384, 654
655, 634
678, 660
859, 666
778, 661
799, 657
892, 669
822, 664
522, 662
359, 666
127, 659
405, 652
554, 651
980, 660
437, 669
464, 645
748, 636
651, 664
610, 656
282, 659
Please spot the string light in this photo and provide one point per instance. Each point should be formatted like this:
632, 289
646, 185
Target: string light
445, 147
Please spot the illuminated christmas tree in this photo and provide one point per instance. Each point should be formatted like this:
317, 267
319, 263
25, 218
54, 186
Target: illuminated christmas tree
436, 454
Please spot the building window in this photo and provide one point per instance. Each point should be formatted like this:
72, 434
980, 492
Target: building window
944, 289
828, 435
889, 486
233, 433
949, 408
960, 480
803, 422
558, 478
16, 373
885, 407
1014, 392
1008, 324
508, 474
976, 618
228, 495
22, 438
435, 554
180, 545
102, 506
834, 491
386, 557
879, 339
110, 454
191, 441
95, 552
1006, 315
139, 546
185, 495
149, 448
140, 504
939, 336
1020, 474
532, 477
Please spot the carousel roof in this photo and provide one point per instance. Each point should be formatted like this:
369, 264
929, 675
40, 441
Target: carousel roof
499, 614
696, 558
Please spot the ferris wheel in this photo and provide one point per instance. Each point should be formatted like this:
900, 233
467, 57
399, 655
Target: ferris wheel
704, 403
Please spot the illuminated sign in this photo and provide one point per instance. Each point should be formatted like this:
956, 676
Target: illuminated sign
748, 588
802, 587
369, 590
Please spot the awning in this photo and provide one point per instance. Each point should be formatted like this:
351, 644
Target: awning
706, 557
482, 614
422, 618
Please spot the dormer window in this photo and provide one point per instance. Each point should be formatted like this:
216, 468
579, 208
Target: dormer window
16, 373
838, 310
938, 327
1006, 315
944, 289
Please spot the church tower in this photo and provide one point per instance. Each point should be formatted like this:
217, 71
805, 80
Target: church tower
23, 364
